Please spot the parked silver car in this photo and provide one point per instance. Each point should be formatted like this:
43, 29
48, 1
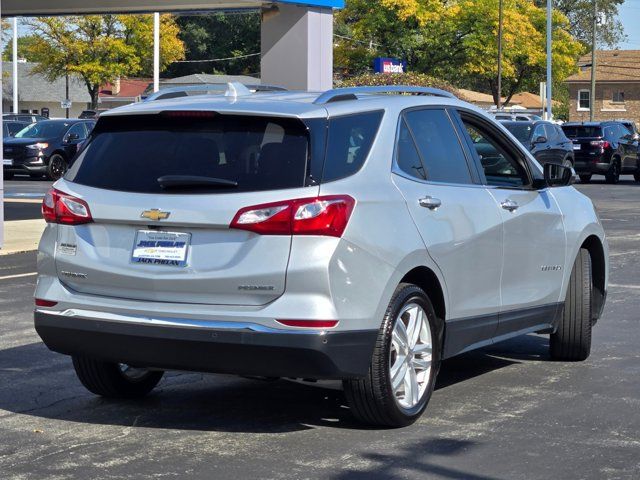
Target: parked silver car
356, 234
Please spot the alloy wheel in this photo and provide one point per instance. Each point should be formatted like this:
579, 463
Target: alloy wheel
410, 356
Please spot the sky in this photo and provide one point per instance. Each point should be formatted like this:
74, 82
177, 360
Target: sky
630, 17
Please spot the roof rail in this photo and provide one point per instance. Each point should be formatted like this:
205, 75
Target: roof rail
351, 93
208, 88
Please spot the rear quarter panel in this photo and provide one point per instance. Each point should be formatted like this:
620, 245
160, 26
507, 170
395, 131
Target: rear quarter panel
580, 221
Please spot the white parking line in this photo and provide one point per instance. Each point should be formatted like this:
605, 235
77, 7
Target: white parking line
18, 275
632, 287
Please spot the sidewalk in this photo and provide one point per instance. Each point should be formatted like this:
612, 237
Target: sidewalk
21, 235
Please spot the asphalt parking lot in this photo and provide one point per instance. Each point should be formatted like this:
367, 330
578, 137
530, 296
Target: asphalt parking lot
503, 412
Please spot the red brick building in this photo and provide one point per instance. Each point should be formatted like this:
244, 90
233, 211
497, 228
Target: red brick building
617, 93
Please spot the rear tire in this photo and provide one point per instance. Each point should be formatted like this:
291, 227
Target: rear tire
572, 340
373, 399
585, 178
636, 176
613, 175
8, 176
112, 380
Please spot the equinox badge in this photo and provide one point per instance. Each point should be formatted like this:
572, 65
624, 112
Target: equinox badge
155, 214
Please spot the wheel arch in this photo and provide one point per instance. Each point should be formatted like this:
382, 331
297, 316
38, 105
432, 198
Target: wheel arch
427, 280
594, 246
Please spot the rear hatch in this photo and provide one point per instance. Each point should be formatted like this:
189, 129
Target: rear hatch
162, 191
588, 143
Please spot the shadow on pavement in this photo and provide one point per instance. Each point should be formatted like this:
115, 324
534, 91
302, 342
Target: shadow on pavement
40, 383
416, 457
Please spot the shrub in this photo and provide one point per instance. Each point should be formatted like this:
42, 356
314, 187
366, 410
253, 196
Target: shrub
410, 78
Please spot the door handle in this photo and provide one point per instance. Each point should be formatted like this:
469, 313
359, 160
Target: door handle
430, 202
509, 205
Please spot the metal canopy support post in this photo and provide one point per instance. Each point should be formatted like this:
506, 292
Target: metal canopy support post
156, 51
297, 47
1, 162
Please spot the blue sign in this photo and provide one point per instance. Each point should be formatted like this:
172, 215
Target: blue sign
389, 65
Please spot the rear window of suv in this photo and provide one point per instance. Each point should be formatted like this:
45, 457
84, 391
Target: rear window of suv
582, 131
130, 153
256, 153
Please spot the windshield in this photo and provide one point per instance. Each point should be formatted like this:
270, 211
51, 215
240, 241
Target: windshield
582, 131
43, 130
521, 131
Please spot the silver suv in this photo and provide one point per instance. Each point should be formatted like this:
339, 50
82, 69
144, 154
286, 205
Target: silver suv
360, 234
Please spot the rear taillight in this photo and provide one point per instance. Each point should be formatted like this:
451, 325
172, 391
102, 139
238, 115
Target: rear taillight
326, 216
59, 207
600, 143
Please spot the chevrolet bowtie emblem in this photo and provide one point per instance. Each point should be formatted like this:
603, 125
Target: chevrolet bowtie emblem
155, 214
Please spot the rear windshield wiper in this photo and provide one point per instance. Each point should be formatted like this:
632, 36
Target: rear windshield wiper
184, 181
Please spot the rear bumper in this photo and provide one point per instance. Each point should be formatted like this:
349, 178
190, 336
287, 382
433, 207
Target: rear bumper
598, 168
239, 351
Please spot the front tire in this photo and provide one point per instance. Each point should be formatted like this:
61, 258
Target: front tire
57, 167
8, 176
114, 380
405, 362
613, 175
636, 176
572, 340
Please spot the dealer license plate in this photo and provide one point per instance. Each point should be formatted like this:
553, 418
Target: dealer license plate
7, 161
577, 147
161, 248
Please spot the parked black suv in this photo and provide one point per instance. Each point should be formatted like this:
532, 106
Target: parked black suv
603, 148
546, 141
44, 148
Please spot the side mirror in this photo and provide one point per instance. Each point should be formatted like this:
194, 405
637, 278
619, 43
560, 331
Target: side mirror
557, 175
71, 137
540, 139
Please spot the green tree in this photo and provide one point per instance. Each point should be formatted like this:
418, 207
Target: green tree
457, 41
25, 49
580, 16
220, 35
101, 48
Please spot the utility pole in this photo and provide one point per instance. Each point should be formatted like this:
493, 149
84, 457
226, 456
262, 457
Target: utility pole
500, 55
156, 52
15, 65
66, 92
549, 114
592, 95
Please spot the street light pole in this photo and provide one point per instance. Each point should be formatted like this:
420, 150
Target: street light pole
15, 65
156, 51
500, 55
592, 95
549, 114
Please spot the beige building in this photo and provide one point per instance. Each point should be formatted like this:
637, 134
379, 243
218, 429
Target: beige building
617, 94
36, 93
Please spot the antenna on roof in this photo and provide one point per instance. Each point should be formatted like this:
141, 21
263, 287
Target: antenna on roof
236, 89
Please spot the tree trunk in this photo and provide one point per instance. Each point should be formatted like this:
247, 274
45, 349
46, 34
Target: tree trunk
93, 90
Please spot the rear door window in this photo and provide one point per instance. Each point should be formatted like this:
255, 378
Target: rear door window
130, 153
439, 146
349, 143
407, 157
